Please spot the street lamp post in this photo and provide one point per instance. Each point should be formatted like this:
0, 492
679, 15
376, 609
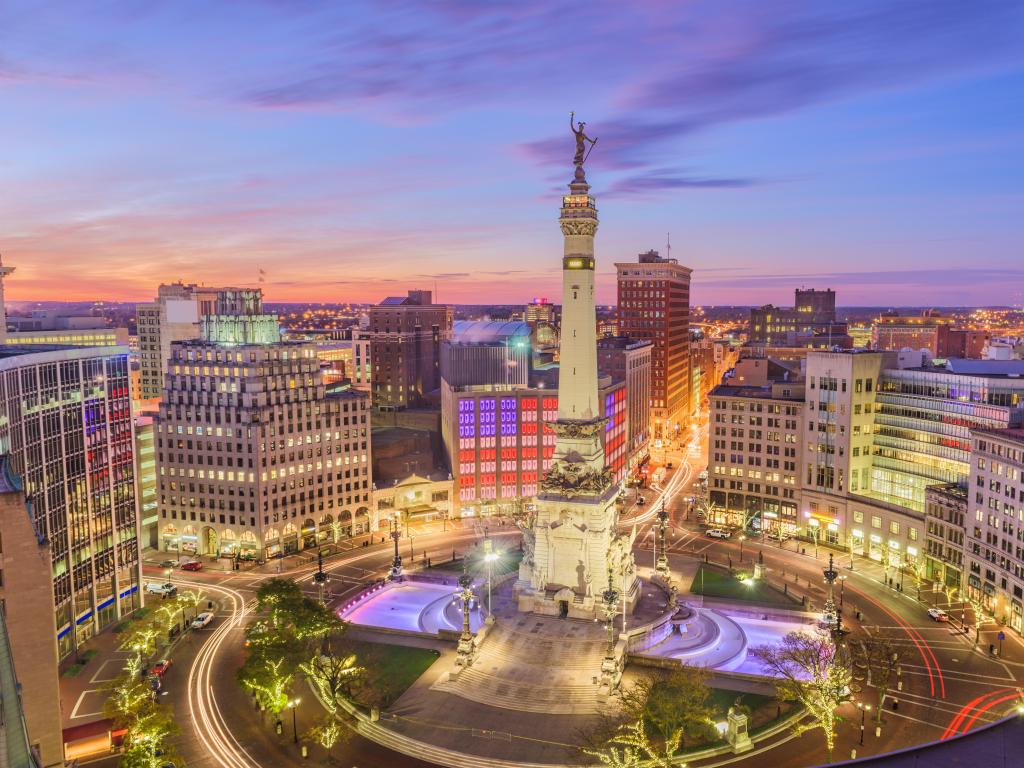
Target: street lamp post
609, 667
742, 539
831, 574
842, 589
320, 578
465, 648
864, 709
396, 563
293, 705
489, 557
661, 561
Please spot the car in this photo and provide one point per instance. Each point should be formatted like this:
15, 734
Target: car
156, 588
937, 614
717, 533
202, 620
160, 668
168, 563
154, 683
195, 565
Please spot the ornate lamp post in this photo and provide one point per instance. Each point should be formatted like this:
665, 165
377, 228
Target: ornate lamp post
489, 557
396, 563
661, 566
465, 649
610, 667
320, 578
831, 574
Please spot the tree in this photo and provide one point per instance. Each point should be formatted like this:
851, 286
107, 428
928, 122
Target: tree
657, 716
808, 669
630, 749
881, 658
332, 676
677, 707
268, 675
328, 733
132, 706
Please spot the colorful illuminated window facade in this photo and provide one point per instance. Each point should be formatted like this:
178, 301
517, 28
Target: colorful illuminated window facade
505, 445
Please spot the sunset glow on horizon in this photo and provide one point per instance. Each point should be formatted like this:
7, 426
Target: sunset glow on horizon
354, 151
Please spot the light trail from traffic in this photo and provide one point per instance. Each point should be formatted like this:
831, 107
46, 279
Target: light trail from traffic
207, 721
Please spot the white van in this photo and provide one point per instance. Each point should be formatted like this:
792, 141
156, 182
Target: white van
156, 588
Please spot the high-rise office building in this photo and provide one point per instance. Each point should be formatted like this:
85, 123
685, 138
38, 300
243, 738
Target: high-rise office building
255, 455
65, 423
174, 315
629, 361
654, 304
406, 333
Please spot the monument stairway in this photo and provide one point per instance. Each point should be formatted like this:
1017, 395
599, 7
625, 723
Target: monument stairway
535, 664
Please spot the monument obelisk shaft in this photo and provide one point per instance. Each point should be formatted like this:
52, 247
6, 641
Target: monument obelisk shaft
576, 545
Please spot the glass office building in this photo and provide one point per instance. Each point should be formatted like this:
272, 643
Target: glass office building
923, 422
65, 421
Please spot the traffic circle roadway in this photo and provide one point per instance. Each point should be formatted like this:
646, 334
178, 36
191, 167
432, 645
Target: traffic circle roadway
947, 684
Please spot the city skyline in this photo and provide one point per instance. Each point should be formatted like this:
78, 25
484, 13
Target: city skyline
870, 150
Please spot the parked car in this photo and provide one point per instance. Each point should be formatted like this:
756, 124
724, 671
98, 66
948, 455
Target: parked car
161, 667
202, 620
195, 565
717, 533
168, 563
937, 614
156, 588
154, 683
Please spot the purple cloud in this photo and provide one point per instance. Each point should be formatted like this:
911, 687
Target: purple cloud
658, 180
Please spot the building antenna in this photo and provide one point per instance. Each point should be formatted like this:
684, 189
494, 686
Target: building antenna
668, 245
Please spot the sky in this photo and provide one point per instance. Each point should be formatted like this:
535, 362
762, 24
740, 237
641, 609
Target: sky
354, 150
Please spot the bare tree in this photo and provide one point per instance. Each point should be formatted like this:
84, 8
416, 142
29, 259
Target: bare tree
808, 669
881, 658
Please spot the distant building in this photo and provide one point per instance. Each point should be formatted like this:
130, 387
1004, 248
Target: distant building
654, 304
55, 320
928, 330
405, 335
94, 337
255, 455
174, 315
629, 361
813, 315
492, 352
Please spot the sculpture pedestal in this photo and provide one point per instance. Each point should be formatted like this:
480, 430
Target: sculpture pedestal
737, 734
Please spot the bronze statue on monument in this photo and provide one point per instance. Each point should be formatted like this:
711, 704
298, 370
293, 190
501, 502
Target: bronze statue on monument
582, 151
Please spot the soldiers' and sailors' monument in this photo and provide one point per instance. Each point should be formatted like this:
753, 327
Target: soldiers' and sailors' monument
577, 553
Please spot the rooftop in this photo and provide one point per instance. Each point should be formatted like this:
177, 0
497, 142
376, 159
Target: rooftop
622, 342
488, 331
728, 390
1016, 434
